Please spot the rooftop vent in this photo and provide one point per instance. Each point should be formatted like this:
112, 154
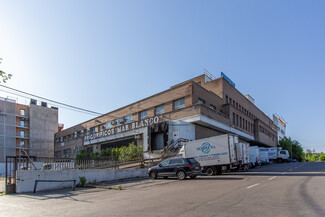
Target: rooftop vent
251, 99
44, 104
33, 102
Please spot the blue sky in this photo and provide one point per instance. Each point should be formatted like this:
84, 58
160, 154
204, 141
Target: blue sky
101, 55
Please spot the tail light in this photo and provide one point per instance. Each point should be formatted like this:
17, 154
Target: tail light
191, 165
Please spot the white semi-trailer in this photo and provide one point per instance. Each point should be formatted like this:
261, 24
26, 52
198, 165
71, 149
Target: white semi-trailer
254, 156
264, 155
215, 154
243, 155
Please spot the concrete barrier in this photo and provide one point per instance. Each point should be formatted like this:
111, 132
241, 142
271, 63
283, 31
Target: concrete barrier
26, 178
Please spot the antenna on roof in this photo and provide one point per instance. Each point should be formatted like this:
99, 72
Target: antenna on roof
209, 75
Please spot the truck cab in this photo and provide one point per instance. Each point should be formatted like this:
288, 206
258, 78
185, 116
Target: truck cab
283, 156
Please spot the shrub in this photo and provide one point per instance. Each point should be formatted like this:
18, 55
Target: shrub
94, 155
82, 155
130, 153
82, 180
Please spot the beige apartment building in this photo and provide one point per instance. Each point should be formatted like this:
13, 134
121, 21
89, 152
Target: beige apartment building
26, 129
198, 108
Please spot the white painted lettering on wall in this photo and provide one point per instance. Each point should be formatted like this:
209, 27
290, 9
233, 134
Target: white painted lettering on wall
123, 128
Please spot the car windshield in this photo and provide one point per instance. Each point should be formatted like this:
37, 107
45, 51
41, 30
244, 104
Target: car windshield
191, 160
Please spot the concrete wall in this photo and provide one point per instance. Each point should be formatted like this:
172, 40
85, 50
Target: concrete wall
26, 178
7, 128
43, 126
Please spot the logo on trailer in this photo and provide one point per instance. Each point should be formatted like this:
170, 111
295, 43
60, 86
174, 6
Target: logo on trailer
206, 147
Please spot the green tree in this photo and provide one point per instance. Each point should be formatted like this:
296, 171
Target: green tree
294, 148
82, 155
94, 155
322, 157
4, 76
314, 158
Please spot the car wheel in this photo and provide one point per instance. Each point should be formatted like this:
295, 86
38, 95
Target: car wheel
153, 175
181, 175
193, 176
209, 171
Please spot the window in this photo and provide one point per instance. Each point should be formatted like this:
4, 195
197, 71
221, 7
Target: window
240, 122
77, 150
237, 120
176, 161
213, 107
164, 163
22, 143
128, 119
22, 134
92, 130
67, 152
178, 104
233, 118
22, 123
226, 99
101, 128
159, 110
119, 121
236, 104
201, 101
57, 154
143, 115
22, 112
246, 124
108, 125
75, 135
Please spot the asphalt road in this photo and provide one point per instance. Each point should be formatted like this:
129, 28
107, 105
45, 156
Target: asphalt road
292, 189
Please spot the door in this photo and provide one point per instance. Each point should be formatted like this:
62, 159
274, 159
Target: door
173, 165
158, 141
11, 169
162, 171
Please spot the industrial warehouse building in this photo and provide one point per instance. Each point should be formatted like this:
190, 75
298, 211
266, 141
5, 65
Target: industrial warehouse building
198, 108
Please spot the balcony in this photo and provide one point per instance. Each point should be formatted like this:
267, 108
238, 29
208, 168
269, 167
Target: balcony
25, 126
20, 136
25, 116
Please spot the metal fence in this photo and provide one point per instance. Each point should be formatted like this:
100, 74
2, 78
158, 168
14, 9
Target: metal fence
46, 163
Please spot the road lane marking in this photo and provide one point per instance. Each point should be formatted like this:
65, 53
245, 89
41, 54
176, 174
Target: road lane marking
253, 185
272, 178
284, 173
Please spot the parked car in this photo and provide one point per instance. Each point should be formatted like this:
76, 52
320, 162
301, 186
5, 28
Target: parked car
176, 167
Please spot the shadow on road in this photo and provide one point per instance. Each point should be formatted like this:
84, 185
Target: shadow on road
64, 194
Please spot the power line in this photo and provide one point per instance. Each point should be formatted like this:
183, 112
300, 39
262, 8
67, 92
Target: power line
53, 101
